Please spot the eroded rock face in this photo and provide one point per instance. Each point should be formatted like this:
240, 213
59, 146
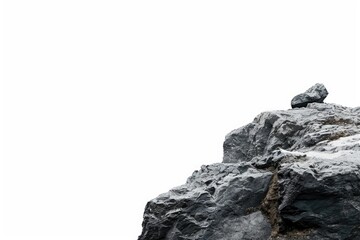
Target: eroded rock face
316, 93
321, 192
290, 129
214, 204
291, 174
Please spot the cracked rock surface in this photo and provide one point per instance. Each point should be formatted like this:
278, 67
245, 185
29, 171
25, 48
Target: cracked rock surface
291, 174
292, 130
215, 203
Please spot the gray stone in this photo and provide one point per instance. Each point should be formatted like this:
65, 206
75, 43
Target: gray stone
215, 203
290, 130
291, 174
254, 226
322, 192
316, 93
315, 152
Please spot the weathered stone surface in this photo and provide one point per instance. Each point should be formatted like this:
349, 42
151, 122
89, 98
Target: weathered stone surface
213, 204
317, 164
291, 174
316, 93
322, 191
291, 130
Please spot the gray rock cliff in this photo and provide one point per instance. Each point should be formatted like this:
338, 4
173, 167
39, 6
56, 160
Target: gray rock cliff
292, 174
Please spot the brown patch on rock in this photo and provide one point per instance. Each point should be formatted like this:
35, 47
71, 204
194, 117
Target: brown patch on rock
270, 204
294, 234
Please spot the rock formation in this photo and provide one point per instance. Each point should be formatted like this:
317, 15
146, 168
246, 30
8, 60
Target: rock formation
291, 174
316, 93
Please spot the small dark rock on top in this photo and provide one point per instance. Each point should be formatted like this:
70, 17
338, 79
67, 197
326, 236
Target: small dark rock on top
316, 93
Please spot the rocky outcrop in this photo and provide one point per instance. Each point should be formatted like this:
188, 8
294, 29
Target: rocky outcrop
291, 174
316, 93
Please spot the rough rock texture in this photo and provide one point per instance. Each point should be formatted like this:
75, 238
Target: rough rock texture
322, 193
217, 202
291, 174
316, 93
291, 129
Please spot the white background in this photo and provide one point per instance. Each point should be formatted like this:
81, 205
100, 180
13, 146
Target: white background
109, 103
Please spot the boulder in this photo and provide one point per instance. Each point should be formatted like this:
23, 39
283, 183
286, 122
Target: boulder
287, 175
316, 93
